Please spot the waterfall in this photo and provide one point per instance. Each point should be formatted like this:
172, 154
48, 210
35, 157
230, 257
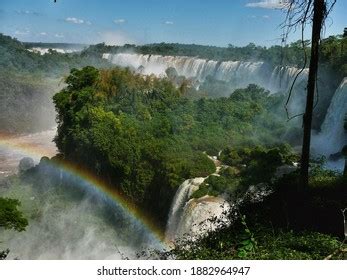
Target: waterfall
43, 51
238, 73
200, 216
282, 77
333, 137
193, 217
182, 195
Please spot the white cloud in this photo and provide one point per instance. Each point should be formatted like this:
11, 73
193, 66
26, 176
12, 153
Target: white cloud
270, 4
115, 38
74, 20
266, 17
24, 31
59, 35
119, 21
88, 22
43, 33
168, 22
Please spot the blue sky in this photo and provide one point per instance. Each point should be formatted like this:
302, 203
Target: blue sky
208, 22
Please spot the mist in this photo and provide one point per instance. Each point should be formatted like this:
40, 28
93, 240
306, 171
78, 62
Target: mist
26, 103
69, 221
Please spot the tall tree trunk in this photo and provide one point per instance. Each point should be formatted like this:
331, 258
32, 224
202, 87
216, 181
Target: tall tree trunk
318, 17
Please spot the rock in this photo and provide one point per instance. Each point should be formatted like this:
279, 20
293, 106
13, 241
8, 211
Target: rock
25, 164
335, 157
201, 216
171, 73
256, 193
285, 169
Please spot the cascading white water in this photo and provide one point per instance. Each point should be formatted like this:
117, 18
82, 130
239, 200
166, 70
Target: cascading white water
193, 217
282, 77
200, 216
43, 51
182, 195
333, 137
239, 73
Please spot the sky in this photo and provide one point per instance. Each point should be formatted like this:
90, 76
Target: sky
116, 22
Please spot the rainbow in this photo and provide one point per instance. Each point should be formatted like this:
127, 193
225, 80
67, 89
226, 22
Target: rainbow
95, 184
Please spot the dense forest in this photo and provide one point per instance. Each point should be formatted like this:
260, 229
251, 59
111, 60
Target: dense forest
144, 130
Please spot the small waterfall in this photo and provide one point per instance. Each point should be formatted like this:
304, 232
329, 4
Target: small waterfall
333, 137
193, 217
182, 195
201, 215
238, 73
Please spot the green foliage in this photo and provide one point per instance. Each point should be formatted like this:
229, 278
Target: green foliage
334, 55
28, 81
10, 216
288, 224
258, 164
145, 135
78, 80
247, 244
301, 245
264, 243
215, 185
247, 166
15, 57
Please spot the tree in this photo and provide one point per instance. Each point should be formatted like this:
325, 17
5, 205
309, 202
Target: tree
11, 218
300, 12
318, 18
